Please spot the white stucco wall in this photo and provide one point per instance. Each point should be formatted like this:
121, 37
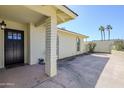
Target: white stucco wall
17, 26
67, 45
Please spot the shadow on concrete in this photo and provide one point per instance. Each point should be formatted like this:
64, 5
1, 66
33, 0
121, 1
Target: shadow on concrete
82, 71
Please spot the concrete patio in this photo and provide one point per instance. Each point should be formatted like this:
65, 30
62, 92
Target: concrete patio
80, 72
113, 73
23, 76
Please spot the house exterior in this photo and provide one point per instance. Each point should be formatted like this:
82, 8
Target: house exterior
70, 43
31, 33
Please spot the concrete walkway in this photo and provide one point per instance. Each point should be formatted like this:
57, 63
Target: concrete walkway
113, 74
22, 77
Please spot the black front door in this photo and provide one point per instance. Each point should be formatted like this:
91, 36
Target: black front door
14, 47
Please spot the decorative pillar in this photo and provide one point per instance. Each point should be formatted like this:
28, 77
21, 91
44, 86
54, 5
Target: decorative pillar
51, 38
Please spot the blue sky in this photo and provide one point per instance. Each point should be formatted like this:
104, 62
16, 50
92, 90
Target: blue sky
91, 17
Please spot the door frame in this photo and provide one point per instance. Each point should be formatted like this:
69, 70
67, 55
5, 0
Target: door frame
5, 43
57, 49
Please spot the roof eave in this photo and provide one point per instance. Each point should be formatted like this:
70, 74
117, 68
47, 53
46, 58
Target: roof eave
74, 33
70, 10
67, 11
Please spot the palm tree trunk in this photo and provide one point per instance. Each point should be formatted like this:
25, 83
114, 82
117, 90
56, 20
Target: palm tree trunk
104, 34
101, 36
108, 34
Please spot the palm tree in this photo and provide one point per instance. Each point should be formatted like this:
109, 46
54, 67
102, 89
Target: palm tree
108, 28
102, 29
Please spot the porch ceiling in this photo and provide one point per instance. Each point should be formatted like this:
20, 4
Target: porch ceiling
20, 13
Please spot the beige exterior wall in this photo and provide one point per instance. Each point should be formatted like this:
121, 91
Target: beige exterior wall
103, 46
37, 46
17, 26
36, 37
37, 43
67, 45
34, 40
84, 47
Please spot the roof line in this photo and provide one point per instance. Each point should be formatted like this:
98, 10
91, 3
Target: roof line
70, 10
73, 32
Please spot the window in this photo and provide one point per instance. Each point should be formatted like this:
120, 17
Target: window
9, 35
78, 44
19, 36
15, 36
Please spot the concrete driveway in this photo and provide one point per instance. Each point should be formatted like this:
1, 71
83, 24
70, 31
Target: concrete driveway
80, 72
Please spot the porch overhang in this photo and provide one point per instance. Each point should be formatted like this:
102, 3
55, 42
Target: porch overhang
63, 13
20, 14
36, 14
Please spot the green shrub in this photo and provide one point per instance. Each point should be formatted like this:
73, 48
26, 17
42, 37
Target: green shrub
118, 45
91, 47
